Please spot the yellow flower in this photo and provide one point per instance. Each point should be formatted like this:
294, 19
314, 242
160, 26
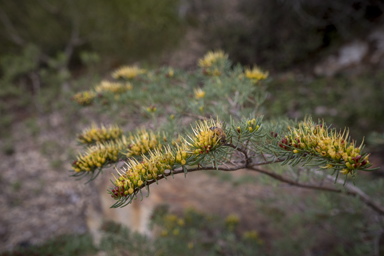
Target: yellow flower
99, 134
199, 94
181, 222
324, 142
170, 72
127, 72
151, 109
255, 74
96, 156
232, 219
84, 98
207, 134
113, 87
142, 143
212, 58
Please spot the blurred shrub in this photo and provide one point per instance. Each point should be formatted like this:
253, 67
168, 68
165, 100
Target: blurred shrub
192, 233
120, 29
345, 100
64, 245
43, 43
280, 33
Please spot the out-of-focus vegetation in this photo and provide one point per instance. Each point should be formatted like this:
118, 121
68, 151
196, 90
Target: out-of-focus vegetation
65, 245
344, 100
45, 45
117, 29
51, 48
287, 232
279, 34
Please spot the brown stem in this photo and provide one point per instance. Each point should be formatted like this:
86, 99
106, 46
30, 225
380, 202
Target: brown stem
356, 193
160, 177
247, 159
352, 191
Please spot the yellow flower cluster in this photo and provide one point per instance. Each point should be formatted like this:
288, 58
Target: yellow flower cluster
232, 219
252, 236
255, 74
84, 98
151, 109
99, 134
199, 94
213, 62
95, 157
142, 143
326, 143
136, 173
113, 87
127, 72
252, 126
212, 58
172, 224
207, 135
170, 73
181, 154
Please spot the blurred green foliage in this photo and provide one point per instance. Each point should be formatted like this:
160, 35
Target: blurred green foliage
65, 245
272, 33
45, 43
278, 34
353, 101
123, 30
289, 230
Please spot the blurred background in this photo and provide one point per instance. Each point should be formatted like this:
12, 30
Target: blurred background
325, 58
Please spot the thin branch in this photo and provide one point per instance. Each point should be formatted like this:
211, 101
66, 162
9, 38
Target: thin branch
247, 159
179, 171
352, 191
266, 162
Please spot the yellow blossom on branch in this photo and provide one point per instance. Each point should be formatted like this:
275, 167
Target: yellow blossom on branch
127, 72
142, 143
199, 93
208, 134
95, 157
326, 143
99, 134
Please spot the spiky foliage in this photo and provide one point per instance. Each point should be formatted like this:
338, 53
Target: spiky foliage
95, 134
231, 143
142, 142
